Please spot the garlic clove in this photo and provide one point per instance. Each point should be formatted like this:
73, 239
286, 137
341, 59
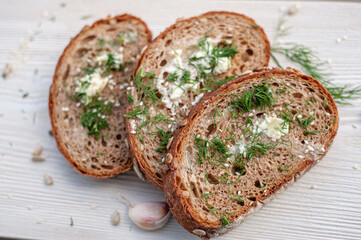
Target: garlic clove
149, 215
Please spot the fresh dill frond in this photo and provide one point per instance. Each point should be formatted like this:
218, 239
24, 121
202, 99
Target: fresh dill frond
130, 98
164, 138
257, 149
309, 61
94, 116
111, 64
257, 98
146, 91
212, 85
136, 112
101, 42
305, 122
284, 168
224, 51
219, 146
172, 77
224, 220
202, 146
205, 195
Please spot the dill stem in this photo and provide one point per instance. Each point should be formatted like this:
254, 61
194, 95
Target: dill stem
276, 61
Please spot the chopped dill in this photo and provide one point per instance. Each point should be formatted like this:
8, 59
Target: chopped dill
257, 98
94, 116
164, 137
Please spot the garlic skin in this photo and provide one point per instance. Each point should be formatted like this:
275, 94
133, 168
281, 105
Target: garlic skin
149, 215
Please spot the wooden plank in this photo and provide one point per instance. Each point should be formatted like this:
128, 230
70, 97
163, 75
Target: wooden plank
331, 210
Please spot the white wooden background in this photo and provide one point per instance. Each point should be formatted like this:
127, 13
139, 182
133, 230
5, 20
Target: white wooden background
324, 204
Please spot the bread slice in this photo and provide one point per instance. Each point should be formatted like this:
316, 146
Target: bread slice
104, 153
232, 154
163, 100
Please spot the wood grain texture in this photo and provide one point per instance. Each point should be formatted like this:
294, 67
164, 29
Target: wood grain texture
332, 210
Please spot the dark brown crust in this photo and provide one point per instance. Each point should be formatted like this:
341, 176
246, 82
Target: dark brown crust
52, 103
134, 151
178, 206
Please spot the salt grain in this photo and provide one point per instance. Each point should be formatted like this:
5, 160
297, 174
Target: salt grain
354, 125
133, 132
313, 186
344, 37
356, 167
338, 40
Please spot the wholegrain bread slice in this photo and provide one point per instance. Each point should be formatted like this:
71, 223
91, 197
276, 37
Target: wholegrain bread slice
104, 154
152, 126
215, 182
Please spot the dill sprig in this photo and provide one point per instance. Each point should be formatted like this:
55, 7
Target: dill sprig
305, 122
307, 58
257, 98
164, 138
224, 220
94, 116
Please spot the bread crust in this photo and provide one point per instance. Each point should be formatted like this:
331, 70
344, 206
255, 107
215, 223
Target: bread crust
52, 103
182, 212
149, 175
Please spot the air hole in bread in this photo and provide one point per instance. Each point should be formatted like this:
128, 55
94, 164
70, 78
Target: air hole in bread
260, 114
88, 38
119, 136
242, 68
240, 203
327, 109
258, 184
244, 42
104, 143
165, 75
211, 129
116, 146
252, 198
212, 179
94, 167
111, 29
160, 176
297, 95
167, 42
249, 52
81, 52
109, 167
194, 189
163, 63
239, 169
